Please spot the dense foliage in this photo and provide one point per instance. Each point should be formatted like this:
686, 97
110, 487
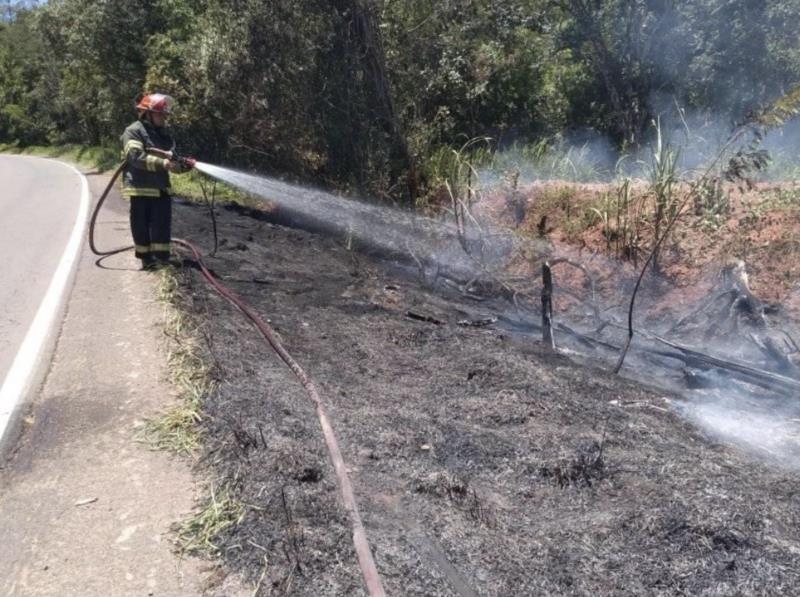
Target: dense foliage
365, 94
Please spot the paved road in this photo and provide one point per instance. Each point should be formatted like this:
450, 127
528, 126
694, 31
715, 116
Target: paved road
40, 203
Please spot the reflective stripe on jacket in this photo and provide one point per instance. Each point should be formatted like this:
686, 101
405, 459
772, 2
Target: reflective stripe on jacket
144, 175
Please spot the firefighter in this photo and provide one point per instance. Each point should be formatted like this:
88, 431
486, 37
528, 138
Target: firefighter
148, 151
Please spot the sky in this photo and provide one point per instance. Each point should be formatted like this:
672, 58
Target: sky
9, 7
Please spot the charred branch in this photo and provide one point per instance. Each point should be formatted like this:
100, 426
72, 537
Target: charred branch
547, 307
776, 357
759, 377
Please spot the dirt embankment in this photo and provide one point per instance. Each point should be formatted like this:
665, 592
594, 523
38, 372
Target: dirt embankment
482, 464
760, 226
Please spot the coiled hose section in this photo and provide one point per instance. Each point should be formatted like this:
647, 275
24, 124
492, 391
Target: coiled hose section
366, 562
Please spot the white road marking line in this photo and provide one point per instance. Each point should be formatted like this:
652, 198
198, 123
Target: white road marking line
20, 377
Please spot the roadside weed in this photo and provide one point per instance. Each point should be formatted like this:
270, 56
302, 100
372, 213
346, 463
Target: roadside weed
196, 535
178, 429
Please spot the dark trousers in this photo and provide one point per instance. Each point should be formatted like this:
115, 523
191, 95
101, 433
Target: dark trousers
151, 226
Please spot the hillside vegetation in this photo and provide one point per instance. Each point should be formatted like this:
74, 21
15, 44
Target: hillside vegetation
371, 95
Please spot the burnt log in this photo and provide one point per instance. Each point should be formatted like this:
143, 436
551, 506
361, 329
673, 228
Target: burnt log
776, 358
765, 379
732, 300
699, 379
743, 303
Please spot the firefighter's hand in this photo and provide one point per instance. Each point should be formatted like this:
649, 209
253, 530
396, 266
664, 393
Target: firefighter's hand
179, 166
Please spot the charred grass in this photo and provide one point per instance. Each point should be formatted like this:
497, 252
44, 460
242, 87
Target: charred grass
478, 459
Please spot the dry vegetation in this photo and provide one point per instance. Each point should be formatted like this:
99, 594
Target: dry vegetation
760, 226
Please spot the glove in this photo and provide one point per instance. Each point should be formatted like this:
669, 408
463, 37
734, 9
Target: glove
180, 166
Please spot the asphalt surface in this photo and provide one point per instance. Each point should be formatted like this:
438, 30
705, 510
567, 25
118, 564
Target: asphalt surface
39, 202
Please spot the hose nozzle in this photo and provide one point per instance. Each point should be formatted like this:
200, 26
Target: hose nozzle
186, 163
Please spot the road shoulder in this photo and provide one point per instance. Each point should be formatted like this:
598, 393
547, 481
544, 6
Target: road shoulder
86, 507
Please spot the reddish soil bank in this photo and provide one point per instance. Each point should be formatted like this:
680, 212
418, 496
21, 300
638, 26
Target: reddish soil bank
760, 226
482, 464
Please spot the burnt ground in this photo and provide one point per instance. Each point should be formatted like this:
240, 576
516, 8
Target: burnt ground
482, 464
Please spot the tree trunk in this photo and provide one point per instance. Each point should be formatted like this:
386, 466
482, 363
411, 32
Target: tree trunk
368, 41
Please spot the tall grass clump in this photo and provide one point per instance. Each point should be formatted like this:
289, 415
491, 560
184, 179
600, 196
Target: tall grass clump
663, 178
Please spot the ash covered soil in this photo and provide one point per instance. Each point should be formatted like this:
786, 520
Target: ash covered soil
482, 464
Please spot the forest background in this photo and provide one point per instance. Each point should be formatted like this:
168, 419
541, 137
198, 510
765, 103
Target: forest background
372, 96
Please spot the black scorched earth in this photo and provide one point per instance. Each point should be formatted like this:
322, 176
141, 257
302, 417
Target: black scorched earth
482, 464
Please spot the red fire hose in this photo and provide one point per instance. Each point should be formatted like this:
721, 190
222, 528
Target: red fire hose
96, 211
366, 562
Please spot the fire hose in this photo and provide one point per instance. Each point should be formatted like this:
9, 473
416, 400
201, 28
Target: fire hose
363, 551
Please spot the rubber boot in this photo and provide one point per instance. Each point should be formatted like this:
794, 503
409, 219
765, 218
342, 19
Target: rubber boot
149, 263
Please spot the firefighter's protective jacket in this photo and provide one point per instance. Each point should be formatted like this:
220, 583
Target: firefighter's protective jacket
145, 175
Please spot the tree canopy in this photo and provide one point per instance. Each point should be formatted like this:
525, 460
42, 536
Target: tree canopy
362, 93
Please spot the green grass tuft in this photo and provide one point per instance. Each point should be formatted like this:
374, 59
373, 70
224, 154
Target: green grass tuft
101, 157
196, 535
